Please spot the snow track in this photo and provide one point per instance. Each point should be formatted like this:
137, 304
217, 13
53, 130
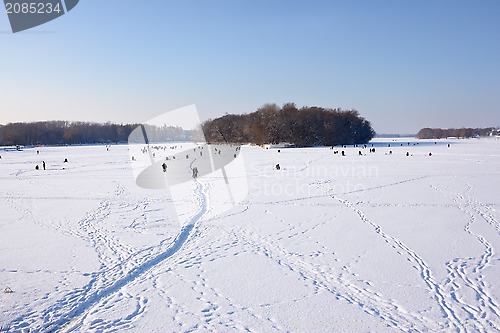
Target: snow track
467, 273
425, 271
69, 313
339, 285
413, 249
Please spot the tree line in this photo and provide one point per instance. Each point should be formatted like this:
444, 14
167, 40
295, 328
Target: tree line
64, 132
440, 133
307, 126
270, 124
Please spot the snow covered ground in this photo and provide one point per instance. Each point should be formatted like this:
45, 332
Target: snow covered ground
374, 243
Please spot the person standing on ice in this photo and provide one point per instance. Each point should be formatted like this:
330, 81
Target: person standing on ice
43, 164
195, 172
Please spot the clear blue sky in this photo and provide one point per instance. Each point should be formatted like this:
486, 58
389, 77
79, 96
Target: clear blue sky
402, 64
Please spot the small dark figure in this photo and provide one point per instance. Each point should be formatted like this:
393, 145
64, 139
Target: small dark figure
373, 149
390, 152
278, 167
360, 153
133, 158
65, 160
448, 147
36, 168
164, 166
430, 154
279, 151
195, 172
37, 152
407, 154
187, 156
343, 153
43, 165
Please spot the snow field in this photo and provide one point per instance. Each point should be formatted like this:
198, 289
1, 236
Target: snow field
373, 243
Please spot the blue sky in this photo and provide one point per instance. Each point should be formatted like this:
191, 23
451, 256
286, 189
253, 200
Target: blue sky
402, 64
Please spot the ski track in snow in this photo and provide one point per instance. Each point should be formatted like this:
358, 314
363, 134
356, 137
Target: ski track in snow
70, 312
123, 267
483, 316
466, 273
339, 285
423, 267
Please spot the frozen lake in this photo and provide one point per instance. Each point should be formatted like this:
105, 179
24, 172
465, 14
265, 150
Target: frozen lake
381, 242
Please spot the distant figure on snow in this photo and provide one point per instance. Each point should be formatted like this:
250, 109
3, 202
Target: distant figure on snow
360, 153
407, 154
195, 172
278, 167
164, 166
36, 168
65, 160
430, 154
43, 164
343, 153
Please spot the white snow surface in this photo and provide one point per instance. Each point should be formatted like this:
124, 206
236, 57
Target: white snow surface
373, 243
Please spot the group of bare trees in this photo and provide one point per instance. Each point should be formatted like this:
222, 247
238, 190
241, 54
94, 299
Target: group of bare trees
307, 126
64, 132
439, 133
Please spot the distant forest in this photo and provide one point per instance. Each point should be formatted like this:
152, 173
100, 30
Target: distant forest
64, 132
439, 133
270, 124
307, 126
